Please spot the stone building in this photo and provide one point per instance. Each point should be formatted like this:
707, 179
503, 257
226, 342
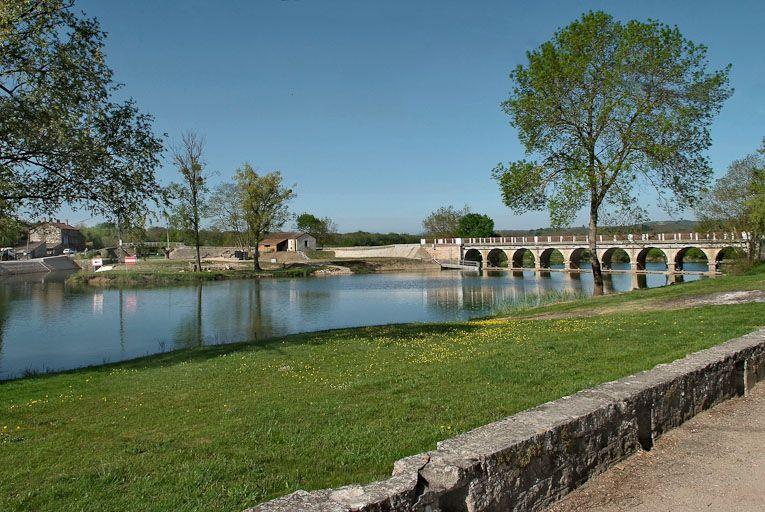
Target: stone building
287, 241
57, 237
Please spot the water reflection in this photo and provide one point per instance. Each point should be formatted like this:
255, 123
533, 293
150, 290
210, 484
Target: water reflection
45, 325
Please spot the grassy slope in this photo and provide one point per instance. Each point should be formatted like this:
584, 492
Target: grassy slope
222, 428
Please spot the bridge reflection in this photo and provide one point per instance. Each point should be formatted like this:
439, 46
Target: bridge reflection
485, 290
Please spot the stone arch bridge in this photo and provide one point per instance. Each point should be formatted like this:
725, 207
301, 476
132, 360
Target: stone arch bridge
573, 250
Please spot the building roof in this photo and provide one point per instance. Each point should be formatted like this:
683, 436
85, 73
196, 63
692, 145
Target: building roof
281, 236
60, 225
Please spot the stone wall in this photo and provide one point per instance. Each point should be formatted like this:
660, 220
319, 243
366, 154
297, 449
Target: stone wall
189, 253
444, 253
529, 460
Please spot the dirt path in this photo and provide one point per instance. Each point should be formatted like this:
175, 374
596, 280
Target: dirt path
715, 461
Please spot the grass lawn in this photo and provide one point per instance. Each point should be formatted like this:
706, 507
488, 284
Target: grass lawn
223, 428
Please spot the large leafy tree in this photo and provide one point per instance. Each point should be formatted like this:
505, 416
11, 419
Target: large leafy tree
444, 222
64, 138
264, 203
736, 202
475, 225
605, 109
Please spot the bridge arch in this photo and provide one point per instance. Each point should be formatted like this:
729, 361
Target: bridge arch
722, 254
691, 253
614, 255
496, 258
473, 255
550, 255
523, 254
578, 257
650, 253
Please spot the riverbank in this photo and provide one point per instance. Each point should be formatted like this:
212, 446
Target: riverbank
226, 427
153, 273
140, 278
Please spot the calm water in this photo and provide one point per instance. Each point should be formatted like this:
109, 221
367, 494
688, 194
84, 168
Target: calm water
45, 326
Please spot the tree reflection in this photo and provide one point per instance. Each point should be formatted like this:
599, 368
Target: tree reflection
189, 332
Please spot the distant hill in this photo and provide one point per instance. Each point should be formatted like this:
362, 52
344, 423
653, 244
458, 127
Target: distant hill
659, 226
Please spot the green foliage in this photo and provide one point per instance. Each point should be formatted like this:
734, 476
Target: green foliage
106, 234
736, 202
264, 203
604, 106
12, 230
65, 137
101, 235
475, 225
364, 238
322, 229
444, 222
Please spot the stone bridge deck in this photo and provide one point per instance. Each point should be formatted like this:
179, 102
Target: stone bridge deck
573, 249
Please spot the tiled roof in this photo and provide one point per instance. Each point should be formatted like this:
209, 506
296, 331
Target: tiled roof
61, 225
275, 238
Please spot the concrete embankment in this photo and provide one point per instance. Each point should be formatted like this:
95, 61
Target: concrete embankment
530, 460
38, 265
405, 251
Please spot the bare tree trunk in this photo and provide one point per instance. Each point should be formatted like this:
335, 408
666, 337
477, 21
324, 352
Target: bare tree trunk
255, 258
195, 212
597, 271
188, 159
120, 249
199, 258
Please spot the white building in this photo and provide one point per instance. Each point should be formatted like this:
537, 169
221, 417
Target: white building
287, 241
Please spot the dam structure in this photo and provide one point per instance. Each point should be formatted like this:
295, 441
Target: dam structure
572, 250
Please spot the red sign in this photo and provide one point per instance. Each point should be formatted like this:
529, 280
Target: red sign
129, 260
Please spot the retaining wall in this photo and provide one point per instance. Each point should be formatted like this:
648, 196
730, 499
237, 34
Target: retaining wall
406, 251
530, 460
189, 253
37, 265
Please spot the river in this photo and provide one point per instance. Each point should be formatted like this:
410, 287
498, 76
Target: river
45, 326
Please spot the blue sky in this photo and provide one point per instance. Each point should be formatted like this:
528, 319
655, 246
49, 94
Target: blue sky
382, 111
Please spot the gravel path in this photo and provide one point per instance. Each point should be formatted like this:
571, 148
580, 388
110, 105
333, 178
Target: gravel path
715, 461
